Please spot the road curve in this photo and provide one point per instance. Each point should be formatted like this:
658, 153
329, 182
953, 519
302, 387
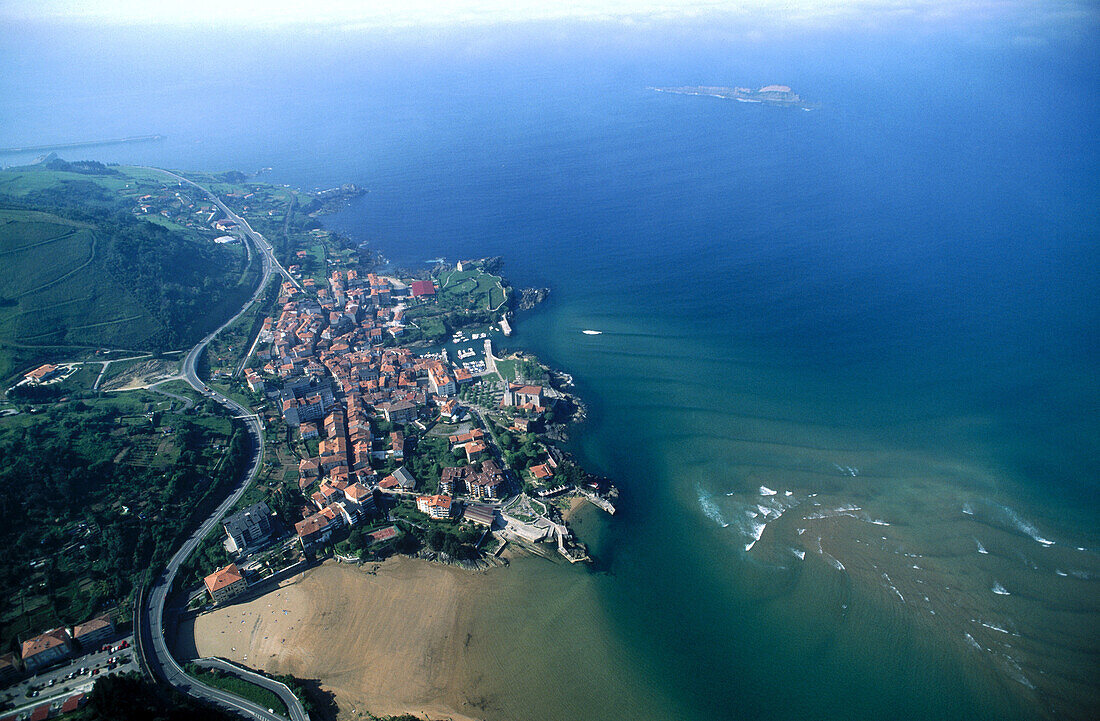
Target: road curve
153, 645
261, 243
297, 713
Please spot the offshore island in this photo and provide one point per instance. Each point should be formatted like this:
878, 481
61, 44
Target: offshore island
780, 95
354, 418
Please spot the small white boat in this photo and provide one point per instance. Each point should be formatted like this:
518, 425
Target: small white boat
592, 332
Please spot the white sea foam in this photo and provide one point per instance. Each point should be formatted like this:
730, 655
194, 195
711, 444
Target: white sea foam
999, 589
765, 491
1026, 527
711, 510
878, 522
828, 557
981, 548
800, 553
1016, 672
756, 533
890, 584
801, 531
972, 642
995, 627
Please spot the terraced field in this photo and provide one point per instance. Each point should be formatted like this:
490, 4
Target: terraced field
52, 294
79, 272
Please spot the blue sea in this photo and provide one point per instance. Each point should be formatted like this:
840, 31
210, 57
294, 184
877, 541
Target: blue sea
846, 375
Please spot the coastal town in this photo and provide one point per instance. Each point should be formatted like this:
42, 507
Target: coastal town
399, 429
375, 410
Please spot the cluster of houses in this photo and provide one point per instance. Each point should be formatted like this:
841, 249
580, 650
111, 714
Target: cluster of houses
336, 376
56, 645
182, 210
329, 368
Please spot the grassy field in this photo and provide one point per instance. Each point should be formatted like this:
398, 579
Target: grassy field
240, 687
74, 277
473, 289
506, 369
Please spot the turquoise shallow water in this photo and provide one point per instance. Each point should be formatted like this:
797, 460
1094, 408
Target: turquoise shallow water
886, 308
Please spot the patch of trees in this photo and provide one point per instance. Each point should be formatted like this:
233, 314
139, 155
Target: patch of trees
519, 453
457, 541
85, 522
86, 167
129, 697
235, 177
36, 393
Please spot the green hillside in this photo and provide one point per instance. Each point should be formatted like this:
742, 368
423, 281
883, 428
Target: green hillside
80, 270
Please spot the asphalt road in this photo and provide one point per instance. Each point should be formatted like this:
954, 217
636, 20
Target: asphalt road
296, 711
152, 624
63, 687
261, 243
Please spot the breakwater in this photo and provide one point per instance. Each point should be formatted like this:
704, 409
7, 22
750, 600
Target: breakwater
83, 144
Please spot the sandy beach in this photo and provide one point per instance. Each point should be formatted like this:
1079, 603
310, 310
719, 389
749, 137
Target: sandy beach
386, 642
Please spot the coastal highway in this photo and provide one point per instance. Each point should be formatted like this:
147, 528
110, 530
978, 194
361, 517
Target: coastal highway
297, 713
150, 618
261, 243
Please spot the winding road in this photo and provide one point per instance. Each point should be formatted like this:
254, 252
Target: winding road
150, 621
261, 243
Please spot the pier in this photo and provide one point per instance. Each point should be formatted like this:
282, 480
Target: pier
598, 502
82, 144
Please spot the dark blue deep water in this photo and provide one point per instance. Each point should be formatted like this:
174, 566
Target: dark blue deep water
888, 307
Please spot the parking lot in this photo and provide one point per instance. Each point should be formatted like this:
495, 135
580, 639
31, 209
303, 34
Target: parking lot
72, 676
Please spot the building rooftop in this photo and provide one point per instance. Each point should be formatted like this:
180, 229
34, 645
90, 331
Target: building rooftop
50, 639
223, 577
96, 624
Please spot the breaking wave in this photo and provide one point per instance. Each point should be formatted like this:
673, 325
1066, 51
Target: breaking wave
710, 509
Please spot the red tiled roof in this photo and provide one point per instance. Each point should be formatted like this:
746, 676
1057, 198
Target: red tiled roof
44, 642
422, 287
92, 626
73, 703
223, 577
